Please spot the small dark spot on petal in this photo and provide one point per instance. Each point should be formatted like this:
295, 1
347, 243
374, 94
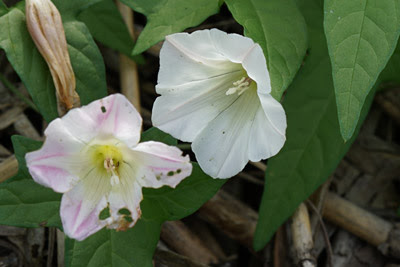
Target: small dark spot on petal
103, 109
178, 171
124, 211
128, 219
170, 173
223, 132
105, 213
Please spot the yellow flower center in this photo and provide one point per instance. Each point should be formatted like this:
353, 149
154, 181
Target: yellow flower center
108, 158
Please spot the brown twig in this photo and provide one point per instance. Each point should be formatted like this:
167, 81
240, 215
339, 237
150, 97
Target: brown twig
8, 168
356, 220
324, 232
302, 237
231, 216
129, 77
171, 259
181, 239
390, 108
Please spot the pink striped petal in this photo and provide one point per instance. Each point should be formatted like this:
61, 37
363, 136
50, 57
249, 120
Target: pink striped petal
81, 207
161, 164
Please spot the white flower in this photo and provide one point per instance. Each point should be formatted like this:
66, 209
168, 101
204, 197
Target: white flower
92, 155
215, 92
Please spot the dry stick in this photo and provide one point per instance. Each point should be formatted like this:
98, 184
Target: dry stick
179, 237
129, 77
391, 109
24, 127
15, 91
278, 247
203, 231
8, 168
356, 220
231, 216
324, 231
10, 116
363, 224
171, 259
302, 237
50, 245
259, 165
60, 248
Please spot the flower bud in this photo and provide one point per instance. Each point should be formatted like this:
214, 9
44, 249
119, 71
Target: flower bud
47, 31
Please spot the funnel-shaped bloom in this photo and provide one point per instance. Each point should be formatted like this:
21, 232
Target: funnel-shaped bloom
215, 92
92, 155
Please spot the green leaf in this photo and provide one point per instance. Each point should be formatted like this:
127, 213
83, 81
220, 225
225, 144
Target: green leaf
155, 134
70, 9
165, 17
390, 73
23, 202
28, 63
314, 145
361, 37
134, 247
280, 29
86, 61
3, 8
107, 26
173, 204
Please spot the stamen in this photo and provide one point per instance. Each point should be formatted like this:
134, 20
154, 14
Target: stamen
110, 167
240, 86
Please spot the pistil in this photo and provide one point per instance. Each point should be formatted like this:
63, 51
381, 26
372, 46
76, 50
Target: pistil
240, 86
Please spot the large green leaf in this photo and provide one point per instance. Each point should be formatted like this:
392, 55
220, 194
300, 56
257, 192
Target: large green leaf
134, 247
86, 61
107, 26
390, 73
173, 204
156, 134
3, 8
70, 9
27, 62
22, 201
280, 29
361, 37
314, 145
165, 17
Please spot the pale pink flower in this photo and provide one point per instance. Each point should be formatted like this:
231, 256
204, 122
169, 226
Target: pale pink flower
215, 92
93, 157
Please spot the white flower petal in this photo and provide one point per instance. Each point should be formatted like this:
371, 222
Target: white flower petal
274, 112
160, 165
232, 46
255, 65
185, 112
222, 147
81, 207
264, 141
126, 195
113, 115
57, 164
186, 58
